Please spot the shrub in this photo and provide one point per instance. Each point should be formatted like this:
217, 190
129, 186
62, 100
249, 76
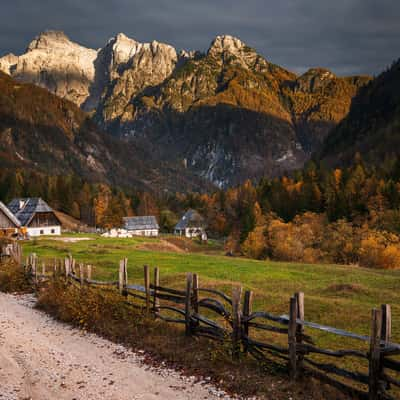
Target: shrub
13, 278
255, 244
380, 249
391, 257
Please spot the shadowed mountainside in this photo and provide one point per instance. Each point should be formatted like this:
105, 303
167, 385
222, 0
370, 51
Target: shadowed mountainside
40, 131
372, 127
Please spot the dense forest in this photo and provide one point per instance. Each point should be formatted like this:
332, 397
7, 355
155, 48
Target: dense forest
349, 215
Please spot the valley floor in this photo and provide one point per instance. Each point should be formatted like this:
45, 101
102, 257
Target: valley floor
42, 359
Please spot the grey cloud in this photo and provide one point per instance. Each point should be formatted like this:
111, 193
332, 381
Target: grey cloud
347, 36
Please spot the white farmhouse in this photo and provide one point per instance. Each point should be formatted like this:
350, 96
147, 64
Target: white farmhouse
35, 216
142, 226
191, 225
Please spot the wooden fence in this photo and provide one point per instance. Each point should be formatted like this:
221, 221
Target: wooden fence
11, 249
237, 323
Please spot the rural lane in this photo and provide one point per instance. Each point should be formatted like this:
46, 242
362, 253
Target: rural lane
42, 359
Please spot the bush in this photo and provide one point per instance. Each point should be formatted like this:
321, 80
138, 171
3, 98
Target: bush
13, 278
101, 311
255, 244
380, 250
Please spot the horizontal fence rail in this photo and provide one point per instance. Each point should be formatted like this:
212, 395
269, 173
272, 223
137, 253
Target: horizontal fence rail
235, 322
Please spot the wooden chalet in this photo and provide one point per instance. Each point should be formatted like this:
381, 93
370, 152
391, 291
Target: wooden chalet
9, 224
142, 226
191, 225
35, 216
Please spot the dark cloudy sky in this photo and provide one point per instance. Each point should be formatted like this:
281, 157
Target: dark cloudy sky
347, 36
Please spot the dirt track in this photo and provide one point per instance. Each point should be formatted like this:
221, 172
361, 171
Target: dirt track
41, 359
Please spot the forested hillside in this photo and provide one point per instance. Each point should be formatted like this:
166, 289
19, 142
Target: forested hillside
372, 126
42, 133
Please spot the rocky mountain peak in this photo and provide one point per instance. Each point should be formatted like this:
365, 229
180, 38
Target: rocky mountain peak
314, 79
228, 49
53, 61
49, 39
122, 49
226, 44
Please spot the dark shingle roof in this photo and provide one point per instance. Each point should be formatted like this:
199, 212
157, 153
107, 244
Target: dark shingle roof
191, 219
7, 212
140, 223
30, 207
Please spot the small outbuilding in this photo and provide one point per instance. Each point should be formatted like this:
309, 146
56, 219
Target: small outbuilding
35, 216
9, 224
191, 225
142, 226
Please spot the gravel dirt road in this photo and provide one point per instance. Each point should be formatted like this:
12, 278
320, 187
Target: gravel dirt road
42, 359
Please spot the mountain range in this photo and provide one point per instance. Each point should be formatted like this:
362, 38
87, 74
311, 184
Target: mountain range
222, 116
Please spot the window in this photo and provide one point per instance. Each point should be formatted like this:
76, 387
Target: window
53, 231
42, 232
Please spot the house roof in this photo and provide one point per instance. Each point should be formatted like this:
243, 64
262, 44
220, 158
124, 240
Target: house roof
141, 223
191, 219
30, 207
9, 215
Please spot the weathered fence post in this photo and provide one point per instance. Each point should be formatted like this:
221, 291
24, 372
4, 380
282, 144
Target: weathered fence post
156, 301
125, 276
375, 366
195, 299
247, 310
300, 328
121, 276
147, 287
43, 269
386, 330
292, 339
16, 253
236, 322
188, 306
81, 274
89, 272
67, 264
72, 266
55, 268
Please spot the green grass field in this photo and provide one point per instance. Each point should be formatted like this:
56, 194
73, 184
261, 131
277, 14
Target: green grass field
336, 295
340, 296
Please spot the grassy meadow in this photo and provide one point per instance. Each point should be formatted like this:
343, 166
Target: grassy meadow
336, 295
341, 296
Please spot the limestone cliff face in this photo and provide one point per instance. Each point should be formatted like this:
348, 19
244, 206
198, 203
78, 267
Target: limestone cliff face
87, 77
227, 114
134, 67
54, 62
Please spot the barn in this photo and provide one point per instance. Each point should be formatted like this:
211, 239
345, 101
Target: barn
191, 225
9, 224
36, 216
142, 226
